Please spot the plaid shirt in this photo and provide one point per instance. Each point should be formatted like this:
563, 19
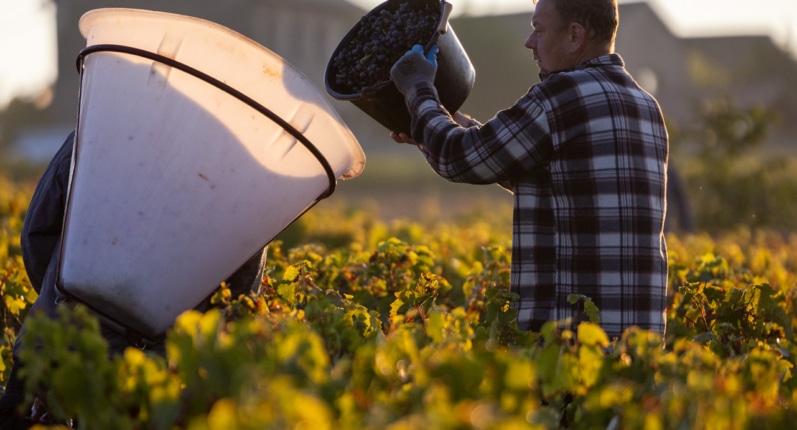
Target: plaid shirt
585, 155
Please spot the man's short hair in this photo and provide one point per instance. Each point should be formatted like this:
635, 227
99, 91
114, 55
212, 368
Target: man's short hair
600, 18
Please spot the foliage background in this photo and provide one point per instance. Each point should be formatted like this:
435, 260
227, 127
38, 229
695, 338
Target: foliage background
366, 323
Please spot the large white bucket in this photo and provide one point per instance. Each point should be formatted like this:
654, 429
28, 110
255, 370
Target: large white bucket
183, 167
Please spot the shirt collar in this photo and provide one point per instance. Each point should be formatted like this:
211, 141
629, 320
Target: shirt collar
606, 60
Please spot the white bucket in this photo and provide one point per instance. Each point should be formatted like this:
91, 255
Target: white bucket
177, 182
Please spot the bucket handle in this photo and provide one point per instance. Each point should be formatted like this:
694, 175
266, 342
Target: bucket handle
442, 25
226, 88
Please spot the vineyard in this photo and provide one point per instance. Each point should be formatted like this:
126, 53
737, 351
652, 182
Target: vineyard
370, 324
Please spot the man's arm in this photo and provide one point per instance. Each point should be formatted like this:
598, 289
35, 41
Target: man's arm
44, 219
462, 119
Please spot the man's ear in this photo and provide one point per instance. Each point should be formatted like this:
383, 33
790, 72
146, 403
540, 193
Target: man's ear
577, 37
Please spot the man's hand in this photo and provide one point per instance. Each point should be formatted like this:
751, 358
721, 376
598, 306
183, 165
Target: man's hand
402, 138
414, 67
464, 120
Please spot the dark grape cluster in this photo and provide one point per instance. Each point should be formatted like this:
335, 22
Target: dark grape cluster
382, 37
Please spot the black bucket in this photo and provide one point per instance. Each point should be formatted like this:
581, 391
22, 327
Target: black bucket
382, 100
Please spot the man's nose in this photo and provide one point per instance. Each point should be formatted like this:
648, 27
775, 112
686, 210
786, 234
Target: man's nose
531, 42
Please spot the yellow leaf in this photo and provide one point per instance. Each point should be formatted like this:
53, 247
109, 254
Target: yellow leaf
223, 415
592, 334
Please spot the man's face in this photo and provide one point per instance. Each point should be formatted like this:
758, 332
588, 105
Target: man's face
549, 38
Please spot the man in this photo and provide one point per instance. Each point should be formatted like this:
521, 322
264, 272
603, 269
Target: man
40, 243
585, 154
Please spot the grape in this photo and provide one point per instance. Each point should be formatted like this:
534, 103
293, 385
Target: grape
378, 40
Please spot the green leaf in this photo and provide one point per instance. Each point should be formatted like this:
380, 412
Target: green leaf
435, 325
287, 292
291, 274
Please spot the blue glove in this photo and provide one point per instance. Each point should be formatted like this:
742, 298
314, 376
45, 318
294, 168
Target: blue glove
414, 67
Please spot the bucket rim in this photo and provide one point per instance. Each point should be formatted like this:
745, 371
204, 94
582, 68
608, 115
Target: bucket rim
373, 89
89, 18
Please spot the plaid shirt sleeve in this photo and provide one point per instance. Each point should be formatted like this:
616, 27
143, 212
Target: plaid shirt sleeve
585, 153
490, 153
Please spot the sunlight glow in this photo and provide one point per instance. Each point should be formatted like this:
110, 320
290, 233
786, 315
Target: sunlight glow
28, 49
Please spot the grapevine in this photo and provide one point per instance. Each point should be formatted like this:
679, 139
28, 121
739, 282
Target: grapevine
362, 324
